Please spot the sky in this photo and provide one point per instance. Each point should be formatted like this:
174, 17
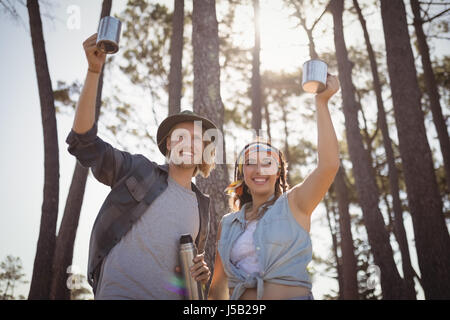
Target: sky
22, 166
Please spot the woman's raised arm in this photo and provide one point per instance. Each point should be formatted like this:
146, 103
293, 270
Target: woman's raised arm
307, 195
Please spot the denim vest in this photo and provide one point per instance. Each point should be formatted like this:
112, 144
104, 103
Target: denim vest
282, 246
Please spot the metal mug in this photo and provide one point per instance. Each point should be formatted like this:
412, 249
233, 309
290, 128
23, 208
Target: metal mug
314, 76
108, 34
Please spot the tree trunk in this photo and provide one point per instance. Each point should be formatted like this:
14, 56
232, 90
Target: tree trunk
399, 228
69, 224
267, 118
312, 47
432, 90
176, 56
207, 102
333, 233
349, 265
256, 76
41, 279
67, 233
286, 136
431, 234
391, 283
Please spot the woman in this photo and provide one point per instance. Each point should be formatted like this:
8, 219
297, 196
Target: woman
264, 246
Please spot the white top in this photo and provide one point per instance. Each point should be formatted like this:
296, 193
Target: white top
243, 254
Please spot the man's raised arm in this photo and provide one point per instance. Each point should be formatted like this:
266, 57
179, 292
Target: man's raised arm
85, 111
108, 164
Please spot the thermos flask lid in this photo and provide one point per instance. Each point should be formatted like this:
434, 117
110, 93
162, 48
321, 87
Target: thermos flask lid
185, 238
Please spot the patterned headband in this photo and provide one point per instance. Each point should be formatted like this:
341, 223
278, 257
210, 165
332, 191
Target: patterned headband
237, 186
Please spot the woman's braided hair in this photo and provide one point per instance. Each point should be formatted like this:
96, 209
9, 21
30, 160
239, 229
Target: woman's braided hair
237, 201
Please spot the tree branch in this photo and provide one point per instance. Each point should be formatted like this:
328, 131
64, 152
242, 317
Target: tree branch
436, 16
434, 3
320, 17
437, 37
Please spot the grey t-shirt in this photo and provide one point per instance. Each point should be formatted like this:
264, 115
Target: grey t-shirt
142, 264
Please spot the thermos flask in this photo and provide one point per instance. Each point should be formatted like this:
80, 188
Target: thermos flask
187, 253
314, 76
108, 34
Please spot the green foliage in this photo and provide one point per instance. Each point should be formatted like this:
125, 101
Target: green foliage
66, 96
442, 26
11, 275
82, 291
235, 63
364, 260
146, 39
441, 70
281, 85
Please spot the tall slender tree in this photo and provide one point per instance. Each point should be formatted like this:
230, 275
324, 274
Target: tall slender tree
267, 120
208, 102
391, 282
399, 228
256, 75
284, 117
176, 56
42, 272
349, 265
67, 232
431, 234
432, 89
329, 209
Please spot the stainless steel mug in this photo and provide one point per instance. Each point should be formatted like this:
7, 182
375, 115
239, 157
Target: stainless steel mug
108, 34
188, 251
314, 76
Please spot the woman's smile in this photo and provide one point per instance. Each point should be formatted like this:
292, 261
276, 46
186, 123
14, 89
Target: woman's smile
260, 180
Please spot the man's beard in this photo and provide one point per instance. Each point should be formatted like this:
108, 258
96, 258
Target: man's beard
185, 165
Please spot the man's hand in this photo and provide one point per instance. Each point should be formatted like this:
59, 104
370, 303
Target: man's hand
199, 271
94, 56
330, 90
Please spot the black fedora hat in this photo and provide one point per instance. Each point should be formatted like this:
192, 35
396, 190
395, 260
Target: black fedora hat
170, 121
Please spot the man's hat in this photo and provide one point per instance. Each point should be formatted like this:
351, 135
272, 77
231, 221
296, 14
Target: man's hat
172, 120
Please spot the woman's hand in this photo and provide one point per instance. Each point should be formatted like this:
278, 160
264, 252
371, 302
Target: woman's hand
94, 56
330, 90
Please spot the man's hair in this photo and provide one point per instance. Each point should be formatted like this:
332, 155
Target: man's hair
204, 168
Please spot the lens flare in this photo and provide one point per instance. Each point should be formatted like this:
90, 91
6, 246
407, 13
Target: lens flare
177, 285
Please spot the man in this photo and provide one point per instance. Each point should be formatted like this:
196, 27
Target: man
134, 241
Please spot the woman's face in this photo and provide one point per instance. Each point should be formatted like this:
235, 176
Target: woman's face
260, 173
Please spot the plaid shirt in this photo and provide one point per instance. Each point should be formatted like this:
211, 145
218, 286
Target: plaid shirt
135, 182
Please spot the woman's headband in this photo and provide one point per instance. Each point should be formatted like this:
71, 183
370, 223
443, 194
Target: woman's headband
237, 185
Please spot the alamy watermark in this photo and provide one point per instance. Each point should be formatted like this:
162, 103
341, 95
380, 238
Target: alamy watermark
208, 147
74, 280
374, 276
74, 20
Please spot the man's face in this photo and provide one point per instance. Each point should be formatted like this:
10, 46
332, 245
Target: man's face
186, 144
